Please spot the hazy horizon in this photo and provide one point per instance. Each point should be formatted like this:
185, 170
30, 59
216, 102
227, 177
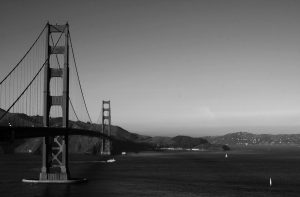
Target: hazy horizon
194, 67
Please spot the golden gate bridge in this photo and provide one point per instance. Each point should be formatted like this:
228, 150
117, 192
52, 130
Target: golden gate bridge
42, 96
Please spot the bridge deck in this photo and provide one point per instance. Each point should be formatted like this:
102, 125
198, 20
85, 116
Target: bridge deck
11, 133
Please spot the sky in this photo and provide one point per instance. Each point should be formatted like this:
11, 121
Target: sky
175, 67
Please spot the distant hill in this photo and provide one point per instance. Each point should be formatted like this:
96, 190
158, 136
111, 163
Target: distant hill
176, 142
159, 141
245, 138
188, 142
184, 142
18, 119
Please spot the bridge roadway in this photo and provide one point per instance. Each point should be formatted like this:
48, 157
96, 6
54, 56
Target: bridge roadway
12, 133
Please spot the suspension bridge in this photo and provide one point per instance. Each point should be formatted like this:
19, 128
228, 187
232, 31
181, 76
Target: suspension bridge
42, 96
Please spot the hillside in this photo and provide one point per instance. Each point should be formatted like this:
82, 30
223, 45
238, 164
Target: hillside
245, 138
188, 142
185, 142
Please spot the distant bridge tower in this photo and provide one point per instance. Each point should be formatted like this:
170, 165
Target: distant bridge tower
106, 128
55, 149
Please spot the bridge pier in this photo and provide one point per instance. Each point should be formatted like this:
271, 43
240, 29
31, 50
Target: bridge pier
55, 159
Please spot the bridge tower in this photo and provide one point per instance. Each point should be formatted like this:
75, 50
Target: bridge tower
106, 128
55, 149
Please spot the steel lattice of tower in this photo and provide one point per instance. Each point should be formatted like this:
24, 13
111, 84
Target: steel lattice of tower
106, 128
55, 149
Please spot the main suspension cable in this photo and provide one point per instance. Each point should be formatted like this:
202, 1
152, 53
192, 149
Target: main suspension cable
79, 78
74, 109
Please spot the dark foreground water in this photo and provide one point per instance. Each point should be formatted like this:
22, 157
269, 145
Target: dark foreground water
243, 173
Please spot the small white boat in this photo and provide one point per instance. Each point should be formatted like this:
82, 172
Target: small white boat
110, 160
226, 156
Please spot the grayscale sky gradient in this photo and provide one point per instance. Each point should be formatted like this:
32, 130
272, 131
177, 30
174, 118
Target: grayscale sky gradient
190, 67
